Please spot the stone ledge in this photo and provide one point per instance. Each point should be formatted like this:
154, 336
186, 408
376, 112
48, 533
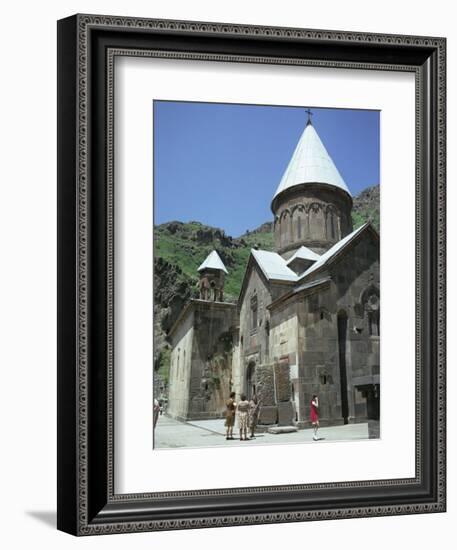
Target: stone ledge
282, 429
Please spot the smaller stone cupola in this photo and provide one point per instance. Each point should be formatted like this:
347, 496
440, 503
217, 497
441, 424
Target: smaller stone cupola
302, 259
212, 278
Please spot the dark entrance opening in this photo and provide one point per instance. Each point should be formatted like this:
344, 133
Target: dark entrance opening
250, 380
342, 340
372, 395
267, 339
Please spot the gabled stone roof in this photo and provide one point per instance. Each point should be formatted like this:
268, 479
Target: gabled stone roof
311, 163
273, 265
334, 251
304, 284
304, 253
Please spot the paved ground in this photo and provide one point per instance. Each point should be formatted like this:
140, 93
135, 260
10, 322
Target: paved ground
170, 433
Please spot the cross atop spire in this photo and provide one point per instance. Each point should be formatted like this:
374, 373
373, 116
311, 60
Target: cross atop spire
310, 163
310, 114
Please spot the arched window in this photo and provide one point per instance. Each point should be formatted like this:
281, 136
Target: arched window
373, 322
267, 338
316, 221
286, 227
177, 364
371, 306
331, 223
254, 312
281, 230
250, 380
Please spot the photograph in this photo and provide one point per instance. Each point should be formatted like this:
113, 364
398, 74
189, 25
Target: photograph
266, 278
234, 199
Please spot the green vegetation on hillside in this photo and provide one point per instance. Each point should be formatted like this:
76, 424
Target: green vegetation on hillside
359, 218
186, 245
366, 207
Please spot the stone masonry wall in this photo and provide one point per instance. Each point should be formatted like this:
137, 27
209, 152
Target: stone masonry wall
319, 362
212, 355
180, 368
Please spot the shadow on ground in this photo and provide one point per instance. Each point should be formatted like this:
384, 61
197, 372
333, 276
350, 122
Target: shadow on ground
48, 517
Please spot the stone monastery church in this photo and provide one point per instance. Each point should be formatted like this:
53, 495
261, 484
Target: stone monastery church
307, 318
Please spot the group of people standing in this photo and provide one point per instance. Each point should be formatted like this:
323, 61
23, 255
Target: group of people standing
247, 412
248, 415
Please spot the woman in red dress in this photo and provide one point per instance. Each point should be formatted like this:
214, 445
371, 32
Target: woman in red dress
314, 415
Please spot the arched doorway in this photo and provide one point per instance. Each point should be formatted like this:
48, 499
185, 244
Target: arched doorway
370, 303
250, 380
342, 319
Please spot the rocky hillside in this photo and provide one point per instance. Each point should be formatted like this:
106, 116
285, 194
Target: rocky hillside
179, 248
366, 207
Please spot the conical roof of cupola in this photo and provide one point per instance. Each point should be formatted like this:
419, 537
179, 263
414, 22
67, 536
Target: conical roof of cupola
311, 163
213, 261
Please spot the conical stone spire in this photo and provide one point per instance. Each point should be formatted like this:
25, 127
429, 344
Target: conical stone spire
213, 261
311, 163
312, 204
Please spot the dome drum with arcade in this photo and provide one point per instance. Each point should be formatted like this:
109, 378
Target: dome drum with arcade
312, 205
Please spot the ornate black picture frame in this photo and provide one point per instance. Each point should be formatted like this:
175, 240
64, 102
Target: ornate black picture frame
87, 503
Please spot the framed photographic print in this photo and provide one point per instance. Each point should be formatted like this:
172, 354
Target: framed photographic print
251, 274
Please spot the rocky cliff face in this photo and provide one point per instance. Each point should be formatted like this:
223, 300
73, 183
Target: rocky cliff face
366, 207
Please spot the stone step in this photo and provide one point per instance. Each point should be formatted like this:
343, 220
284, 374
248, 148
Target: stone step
282, 429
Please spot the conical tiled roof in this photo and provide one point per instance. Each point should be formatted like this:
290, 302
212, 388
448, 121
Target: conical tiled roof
213, 261
311, 163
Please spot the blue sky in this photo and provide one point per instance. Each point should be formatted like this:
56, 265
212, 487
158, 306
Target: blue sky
220, 164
